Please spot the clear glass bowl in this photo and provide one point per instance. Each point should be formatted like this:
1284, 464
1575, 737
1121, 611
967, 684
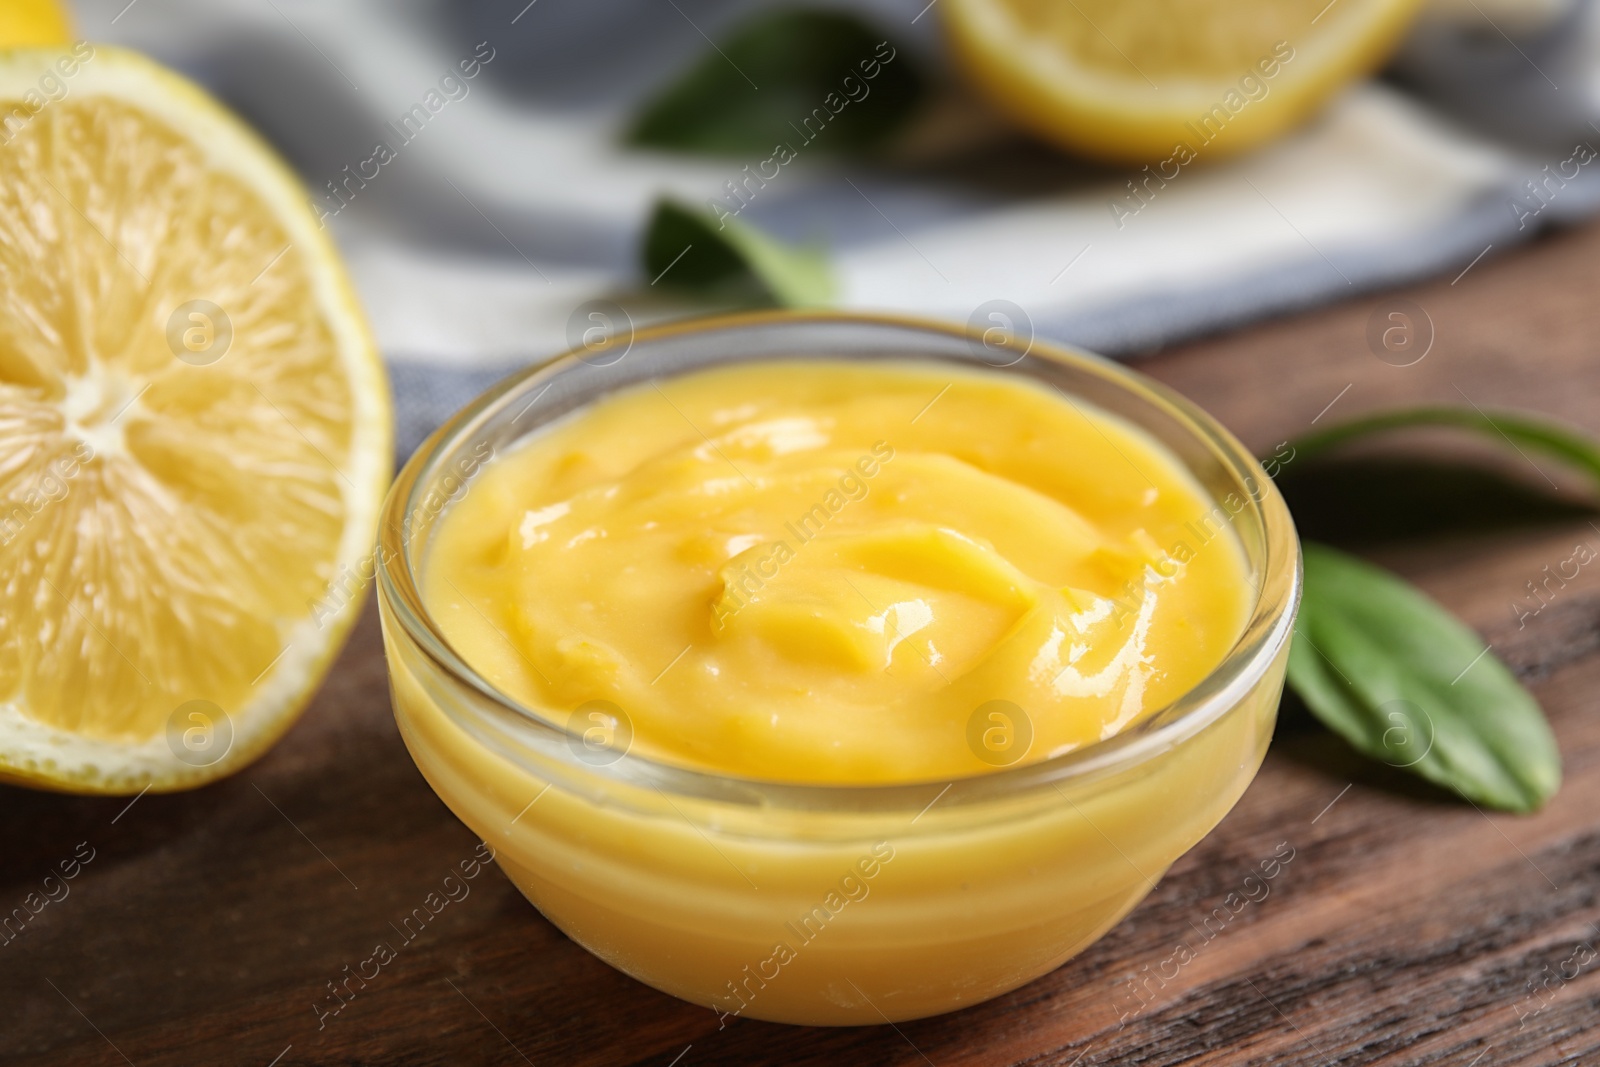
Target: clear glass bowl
821, 904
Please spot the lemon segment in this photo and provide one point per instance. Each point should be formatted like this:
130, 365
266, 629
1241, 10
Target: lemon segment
195, 432
1130, 80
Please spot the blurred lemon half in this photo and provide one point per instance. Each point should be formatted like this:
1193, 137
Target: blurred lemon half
1131, 80
195, 431
33, 22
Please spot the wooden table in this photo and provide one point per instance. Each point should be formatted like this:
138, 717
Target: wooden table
1409, 928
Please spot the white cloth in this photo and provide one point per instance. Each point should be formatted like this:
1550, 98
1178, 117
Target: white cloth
516, 202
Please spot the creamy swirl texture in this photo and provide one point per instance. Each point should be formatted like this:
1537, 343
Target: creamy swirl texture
840, 572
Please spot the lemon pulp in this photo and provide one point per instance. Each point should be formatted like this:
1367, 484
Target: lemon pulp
1130, 80
194, 432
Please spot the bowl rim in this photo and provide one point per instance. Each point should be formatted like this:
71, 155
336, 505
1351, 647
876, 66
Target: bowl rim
1247, 662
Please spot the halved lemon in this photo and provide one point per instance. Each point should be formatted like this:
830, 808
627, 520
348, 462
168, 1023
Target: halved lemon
1132, 80
195, 431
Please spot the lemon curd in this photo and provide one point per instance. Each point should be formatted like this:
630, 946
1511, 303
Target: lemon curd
821, 572
808, 669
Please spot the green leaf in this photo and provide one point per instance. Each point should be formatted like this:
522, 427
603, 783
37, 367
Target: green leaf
693, 252
758, 86
1399, 678
1522, 432
1361, 501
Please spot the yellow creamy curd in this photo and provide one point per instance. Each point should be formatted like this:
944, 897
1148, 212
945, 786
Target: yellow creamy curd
834, 572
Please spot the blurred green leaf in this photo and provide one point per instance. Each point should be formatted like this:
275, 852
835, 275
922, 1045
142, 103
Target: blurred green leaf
755, 89
1522, 432
1365, 500
693, 252
1399, 678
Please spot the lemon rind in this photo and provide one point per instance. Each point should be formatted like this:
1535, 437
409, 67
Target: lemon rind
1124, 118
33, 752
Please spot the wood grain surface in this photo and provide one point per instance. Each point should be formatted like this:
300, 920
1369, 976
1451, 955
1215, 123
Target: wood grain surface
1408, 929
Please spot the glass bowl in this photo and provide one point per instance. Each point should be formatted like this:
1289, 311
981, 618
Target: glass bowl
826, 904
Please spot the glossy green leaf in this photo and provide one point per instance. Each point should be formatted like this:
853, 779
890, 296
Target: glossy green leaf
1529, 435
811, 80
1403, 681
694, 252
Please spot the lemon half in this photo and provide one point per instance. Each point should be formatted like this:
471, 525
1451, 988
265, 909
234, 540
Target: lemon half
195, 431
1131, 80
